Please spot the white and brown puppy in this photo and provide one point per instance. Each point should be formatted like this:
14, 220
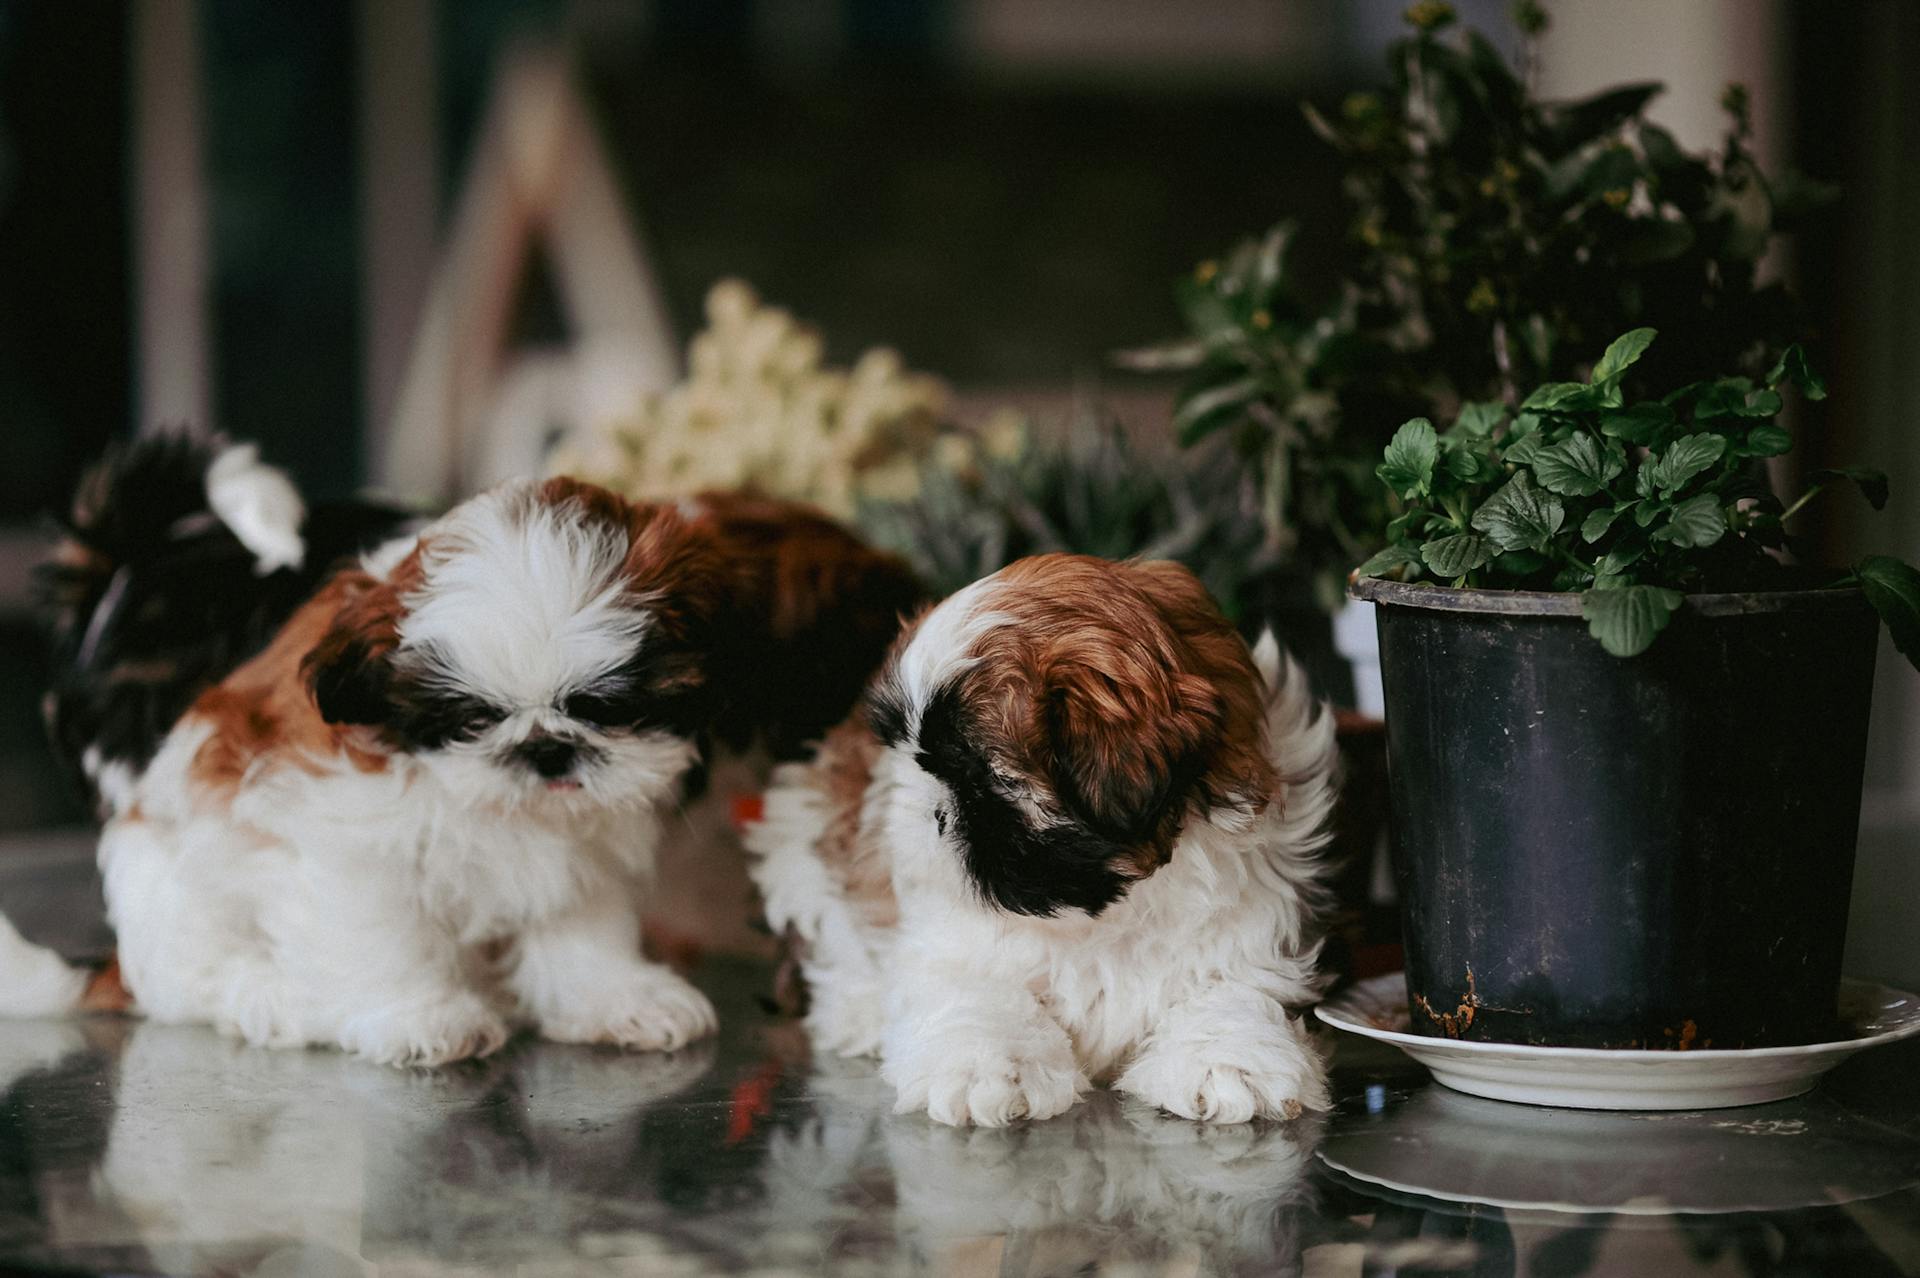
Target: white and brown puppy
424, 813
1075, 840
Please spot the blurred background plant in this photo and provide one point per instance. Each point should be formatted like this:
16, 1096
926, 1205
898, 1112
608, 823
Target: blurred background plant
985, 499
758, 408
1495, 241
875, 444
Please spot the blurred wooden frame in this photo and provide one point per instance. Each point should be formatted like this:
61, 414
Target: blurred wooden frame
471, 409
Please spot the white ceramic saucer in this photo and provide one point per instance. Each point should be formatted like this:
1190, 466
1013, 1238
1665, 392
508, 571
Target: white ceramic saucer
1602, 1078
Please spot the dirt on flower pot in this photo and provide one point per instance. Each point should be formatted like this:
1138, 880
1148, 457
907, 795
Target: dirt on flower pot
1649, 852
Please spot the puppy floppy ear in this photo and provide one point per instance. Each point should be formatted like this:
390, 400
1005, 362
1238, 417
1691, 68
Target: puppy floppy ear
1220, 681
1128, 738
350, 670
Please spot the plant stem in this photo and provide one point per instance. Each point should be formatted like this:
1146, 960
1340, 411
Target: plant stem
1803, 499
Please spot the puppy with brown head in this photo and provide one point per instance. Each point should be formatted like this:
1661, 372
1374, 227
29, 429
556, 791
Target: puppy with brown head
1074, 840
428, 811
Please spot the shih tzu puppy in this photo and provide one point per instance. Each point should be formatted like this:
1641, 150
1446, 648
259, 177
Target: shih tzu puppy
1074, 841
422, 815
181, 555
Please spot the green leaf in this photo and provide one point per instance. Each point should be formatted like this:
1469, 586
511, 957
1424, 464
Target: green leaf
1397, 528
1621, 558
1577, 466
1520, 516
1456, 556
1893, 588
1410, 457
1595, 526
1627, 620
1731, 397
1271, 261
1478, 421
1470, 467
1572, 123
1200, 414
1697, 522
1872, 483
1795, 195
1208, 315
1179, 356
1639, 424
1564, 397
1387, 560
1522, 451
1519, 563
1622, 354
1767, 440
1792, 366
1572, 577
1662, 152
1686, 457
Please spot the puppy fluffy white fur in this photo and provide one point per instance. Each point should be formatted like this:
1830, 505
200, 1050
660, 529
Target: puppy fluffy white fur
425, 814
410, 890
1076, 844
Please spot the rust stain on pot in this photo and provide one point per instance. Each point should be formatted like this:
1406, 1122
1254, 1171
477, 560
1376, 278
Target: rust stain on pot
1684, 1039
1457, 1022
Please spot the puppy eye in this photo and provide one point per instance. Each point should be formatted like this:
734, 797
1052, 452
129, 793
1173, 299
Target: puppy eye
602, 712
480, 720
940, 819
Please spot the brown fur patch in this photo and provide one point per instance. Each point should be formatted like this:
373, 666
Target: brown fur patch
263, 714
805, 569
852, 852
1122, 690
107, 991
815, 611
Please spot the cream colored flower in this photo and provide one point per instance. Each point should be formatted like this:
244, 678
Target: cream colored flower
759, 408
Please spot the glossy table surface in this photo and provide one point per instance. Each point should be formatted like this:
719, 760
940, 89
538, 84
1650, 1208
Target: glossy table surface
129, 1147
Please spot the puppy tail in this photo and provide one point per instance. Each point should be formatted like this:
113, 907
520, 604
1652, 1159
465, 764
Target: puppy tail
34, 981
1301, 746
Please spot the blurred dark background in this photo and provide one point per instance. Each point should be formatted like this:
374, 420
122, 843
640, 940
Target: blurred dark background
276, 219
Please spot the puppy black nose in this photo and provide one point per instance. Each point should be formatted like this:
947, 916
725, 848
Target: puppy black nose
551, 757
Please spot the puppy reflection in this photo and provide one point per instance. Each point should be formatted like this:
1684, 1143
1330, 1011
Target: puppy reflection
1112, 1184
220, 1156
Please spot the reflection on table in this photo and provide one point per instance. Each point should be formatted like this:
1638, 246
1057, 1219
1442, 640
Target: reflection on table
130, 1147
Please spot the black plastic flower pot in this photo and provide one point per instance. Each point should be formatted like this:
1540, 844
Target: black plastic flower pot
1647, 852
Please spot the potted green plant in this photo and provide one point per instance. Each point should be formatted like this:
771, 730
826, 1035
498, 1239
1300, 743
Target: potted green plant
1494, 241
1626, 738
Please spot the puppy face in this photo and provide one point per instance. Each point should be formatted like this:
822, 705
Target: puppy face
543, 643
1065, 718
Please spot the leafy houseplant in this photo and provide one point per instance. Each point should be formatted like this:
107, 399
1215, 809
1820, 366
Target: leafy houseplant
1632, 504
1626, 740
1495, 241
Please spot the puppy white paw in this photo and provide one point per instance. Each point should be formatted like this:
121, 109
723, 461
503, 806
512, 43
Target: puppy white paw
458, 1027
975, 1085
1280, 1080
648, 1009
846, 1026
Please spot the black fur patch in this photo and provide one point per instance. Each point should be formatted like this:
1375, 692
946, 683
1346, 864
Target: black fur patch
662, 688
161, 601
1014, 866
886, 715
433, 716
